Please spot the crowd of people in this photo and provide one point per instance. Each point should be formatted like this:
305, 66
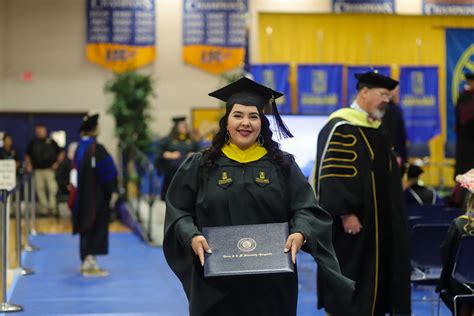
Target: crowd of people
354, 223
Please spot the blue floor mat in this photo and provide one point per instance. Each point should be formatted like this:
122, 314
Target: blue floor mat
140, 283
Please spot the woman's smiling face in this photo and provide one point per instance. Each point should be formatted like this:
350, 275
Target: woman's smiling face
244, 125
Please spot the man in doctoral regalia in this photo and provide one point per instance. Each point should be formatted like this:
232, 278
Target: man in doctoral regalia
358, 183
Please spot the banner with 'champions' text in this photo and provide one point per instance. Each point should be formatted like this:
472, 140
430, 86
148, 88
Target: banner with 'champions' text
420, 102
214, 35
363, 6
121, 33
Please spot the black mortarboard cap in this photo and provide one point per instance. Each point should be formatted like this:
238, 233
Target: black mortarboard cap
414, 171
248, 92
178, 119
89, 123
375, 80
469, 76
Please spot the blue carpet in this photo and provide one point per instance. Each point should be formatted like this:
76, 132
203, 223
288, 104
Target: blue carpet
140, 284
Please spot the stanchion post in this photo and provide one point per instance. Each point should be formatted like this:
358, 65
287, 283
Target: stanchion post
23, 270
28, 247
4, 305
150, 206
33, 206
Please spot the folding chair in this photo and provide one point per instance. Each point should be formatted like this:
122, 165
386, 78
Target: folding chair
426, 240
463, 273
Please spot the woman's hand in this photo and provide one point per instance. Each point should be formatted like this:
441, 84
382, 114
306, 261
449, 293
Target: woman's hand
199, 245
294, 243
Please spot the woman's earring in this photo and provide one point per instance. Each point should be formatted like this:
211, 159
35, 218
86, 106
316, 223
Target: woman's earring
227, 137
260, 140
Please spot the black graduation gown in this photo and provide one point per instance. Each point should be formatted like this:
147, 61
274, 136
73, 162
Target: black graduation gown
97, 179
169, 167
356, 173
464, 133
449, 249
417, 195
194, 201
394, 128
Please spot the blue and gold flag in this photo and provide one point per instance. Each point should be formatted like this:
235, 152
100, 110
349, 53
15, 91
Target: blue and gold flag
420, 102
214, 34
121, 34
275, 76
319, 89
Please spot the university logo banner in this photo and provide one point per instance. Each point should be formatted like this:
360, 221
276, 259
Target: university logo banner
351, 82
275, 76
459, 60
451, 7
121, 34
319, 89
363, 6
420, 102
214, 35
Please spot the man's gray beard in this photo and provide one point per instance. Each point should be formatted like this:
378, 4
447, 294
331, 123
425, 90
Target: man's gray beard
377, 114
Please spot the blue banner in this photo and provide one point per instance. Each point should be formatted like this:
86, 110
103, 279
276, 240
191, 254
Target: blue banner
214, 34
451, 7
459, 60
319, 89
351, 82
275, 76
121, 34
363, 6
420, 102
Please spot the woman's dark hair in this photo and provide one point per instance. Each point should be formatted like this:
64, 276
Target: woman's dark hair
174, 133
213, 153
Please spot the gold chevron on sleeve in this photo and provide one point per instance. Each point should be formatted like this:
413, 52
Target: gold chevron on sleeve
334, 170
341, 155
345, 140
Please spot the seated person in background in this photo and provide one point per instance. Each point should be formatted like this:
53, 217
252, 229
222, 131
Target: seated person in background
416, 193
461, 226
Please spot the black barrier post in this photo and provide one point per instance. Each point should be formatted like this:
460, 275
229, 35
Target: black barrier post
4, 305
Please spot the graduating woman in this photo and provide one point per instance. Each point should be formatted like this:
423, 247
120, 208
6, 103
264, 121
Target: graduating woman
242, 179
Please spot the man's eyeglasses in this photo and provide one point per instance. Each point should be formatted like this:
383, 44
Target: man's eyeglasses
383, 95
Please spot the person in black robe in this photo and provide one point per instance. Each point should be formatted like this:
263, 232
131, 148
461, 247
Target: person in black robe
464, 139
242, 179
416, 193
465, 127
358, 182
393, 125
173, 150
96, 194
